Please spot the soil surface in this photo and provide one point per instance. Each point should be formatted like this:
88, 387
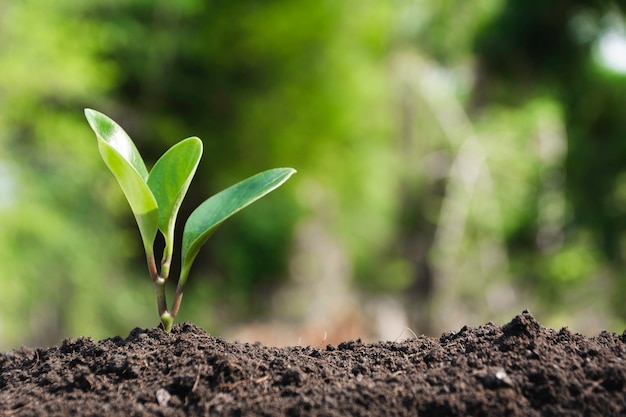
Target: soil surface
519, 369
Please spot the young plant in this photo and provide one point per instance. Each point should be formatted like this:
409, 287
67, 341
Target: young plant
156, 196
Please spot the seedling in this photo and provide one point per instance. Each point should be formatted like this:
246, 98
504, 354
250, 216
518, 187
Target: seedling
155, 198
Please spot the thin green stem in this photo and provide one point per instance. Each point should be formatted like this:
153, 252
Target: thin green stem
159, 288
152, 268
168, 321
178, 298
166, 260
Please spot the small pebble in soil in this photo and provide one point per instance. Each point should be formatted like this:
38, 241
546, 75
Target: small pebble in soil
163, 397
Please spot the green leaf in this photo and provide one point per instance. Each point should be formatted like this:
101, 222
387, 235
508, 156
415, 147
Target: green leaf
170, 178
121, 156
212, 213
111, 133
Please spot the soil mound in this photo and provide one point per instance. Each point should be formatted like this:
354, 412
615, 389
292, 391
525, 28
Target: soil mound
519, 369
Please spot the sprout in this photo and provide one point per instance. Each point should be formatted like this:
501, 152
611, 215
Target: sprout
156, 196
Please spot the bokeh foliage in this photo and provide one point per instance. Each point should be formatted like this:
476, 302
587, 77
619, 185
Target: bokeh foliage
57, 267
467, 158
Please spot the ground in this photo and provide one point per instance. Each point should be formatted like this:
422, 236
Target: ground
518, 369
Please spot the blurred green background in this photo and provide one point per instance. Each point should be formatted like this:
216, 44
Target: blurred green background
458, 162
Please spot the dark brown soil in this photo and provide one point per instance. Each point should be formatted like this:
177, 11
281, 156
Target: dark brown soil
519, 369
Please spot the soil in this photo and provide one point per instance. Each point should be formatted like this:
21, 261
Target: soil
518, 369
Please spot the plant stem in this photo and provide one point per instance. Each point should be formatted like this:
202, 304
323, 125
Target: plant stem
166, 260
159, 288
168, 321
154, 274
178, 298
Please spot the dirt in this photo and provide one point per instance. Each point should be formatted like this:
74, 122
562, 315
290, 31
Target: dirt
518, 369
